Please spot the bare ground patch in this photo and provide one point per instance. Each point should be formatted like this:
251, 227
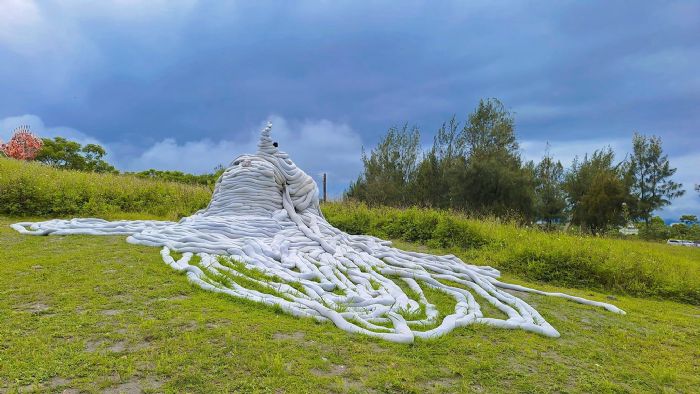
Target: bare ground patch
36, 307
289, 336
334, 370
134, 385
111, 312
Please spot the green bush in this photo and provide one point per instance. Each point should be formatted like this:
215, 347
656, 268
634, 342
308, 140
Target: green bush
30, 188
623, 266
431, 227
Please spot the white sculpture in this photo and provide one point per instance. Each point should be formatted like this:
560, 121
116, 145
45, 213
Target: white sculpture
264, 215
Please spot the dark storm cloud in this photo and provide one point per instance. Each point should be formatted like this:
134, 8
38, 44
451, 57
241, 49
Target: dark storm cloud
133, 75
578, 67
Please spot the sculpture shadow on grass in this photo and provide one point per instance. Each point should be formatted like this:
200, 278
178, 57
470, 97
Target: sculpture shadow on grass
263, 238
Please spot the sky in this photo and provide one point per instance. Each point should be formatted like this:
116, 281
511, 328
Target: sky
186, 85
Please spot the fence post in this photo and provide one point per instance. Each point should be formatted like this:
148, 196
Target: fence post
324, 187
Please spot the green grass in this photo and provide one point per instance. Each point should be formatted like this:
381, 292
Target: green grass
606, 264
30, 188
94, 313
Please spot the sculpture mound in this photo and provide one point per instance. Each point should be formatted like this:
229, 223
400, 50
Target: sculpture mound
264, 230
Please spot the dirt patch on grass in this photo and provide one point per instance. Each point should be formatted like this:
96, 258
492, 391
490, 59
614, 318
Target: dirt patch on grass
52, 384
178, 297
520, 294
218, 323
334, 370
36, 307
115, 347
289, 336
191, 325
111, 312
442, 384
92, 346
134, 386
58, 381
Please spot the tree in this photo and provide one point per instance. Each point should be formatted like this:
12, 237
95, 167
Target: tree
435, 173
22, 146
596, 190
490, 128
689, 219
491, 177
550, 199
491, 185
389, 169
651, 172
601, 206
62, 153
208, 179
656, 229
428, 187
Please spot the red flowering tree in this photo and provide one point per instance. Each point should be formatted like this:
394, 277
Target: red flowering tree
23, 145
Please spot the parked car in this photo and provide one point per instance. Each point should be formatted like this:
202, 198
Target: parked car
682, 242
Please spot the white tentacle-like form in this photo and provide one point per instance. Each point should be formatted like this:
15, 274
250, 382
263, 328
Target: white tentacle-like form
263, 238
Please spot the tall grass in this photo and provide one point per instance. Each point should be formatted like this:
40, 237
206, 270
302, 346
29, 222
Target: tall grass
28, 188
622, 266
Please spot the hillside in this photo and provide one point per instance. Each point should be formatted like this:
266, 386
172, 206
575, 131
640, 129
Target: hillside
31, 188
96, 313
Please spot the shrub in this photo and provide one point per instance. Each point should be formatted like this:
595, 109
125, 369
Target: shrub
30, 188
431, 227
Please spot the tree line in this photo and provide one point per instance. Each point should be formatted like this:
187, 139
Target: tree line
476, 166
65, 154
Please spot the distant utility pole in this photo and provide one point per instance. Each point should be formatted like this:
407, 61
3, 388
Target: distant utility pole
324, 187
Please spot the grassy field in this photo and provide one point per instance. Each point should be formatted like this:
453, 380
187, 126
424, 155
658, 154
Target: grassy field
30, 188
619, 266
85, 313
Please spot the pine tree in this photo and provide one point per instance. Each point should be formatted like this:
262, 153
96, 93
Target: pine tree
596, 191
550, 199
492, 178
650, 173
389, 169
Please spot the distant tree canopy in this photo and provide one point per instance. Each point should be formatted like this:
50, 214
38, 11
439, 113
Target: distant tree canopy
182, 177
389, 169
650, 173
476, 166
62, 153
550, 198
493, 179
689, 219
597, 189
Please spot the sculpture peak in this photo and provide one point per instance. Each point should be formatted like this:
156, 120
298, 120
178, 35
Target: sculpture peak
266, 145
